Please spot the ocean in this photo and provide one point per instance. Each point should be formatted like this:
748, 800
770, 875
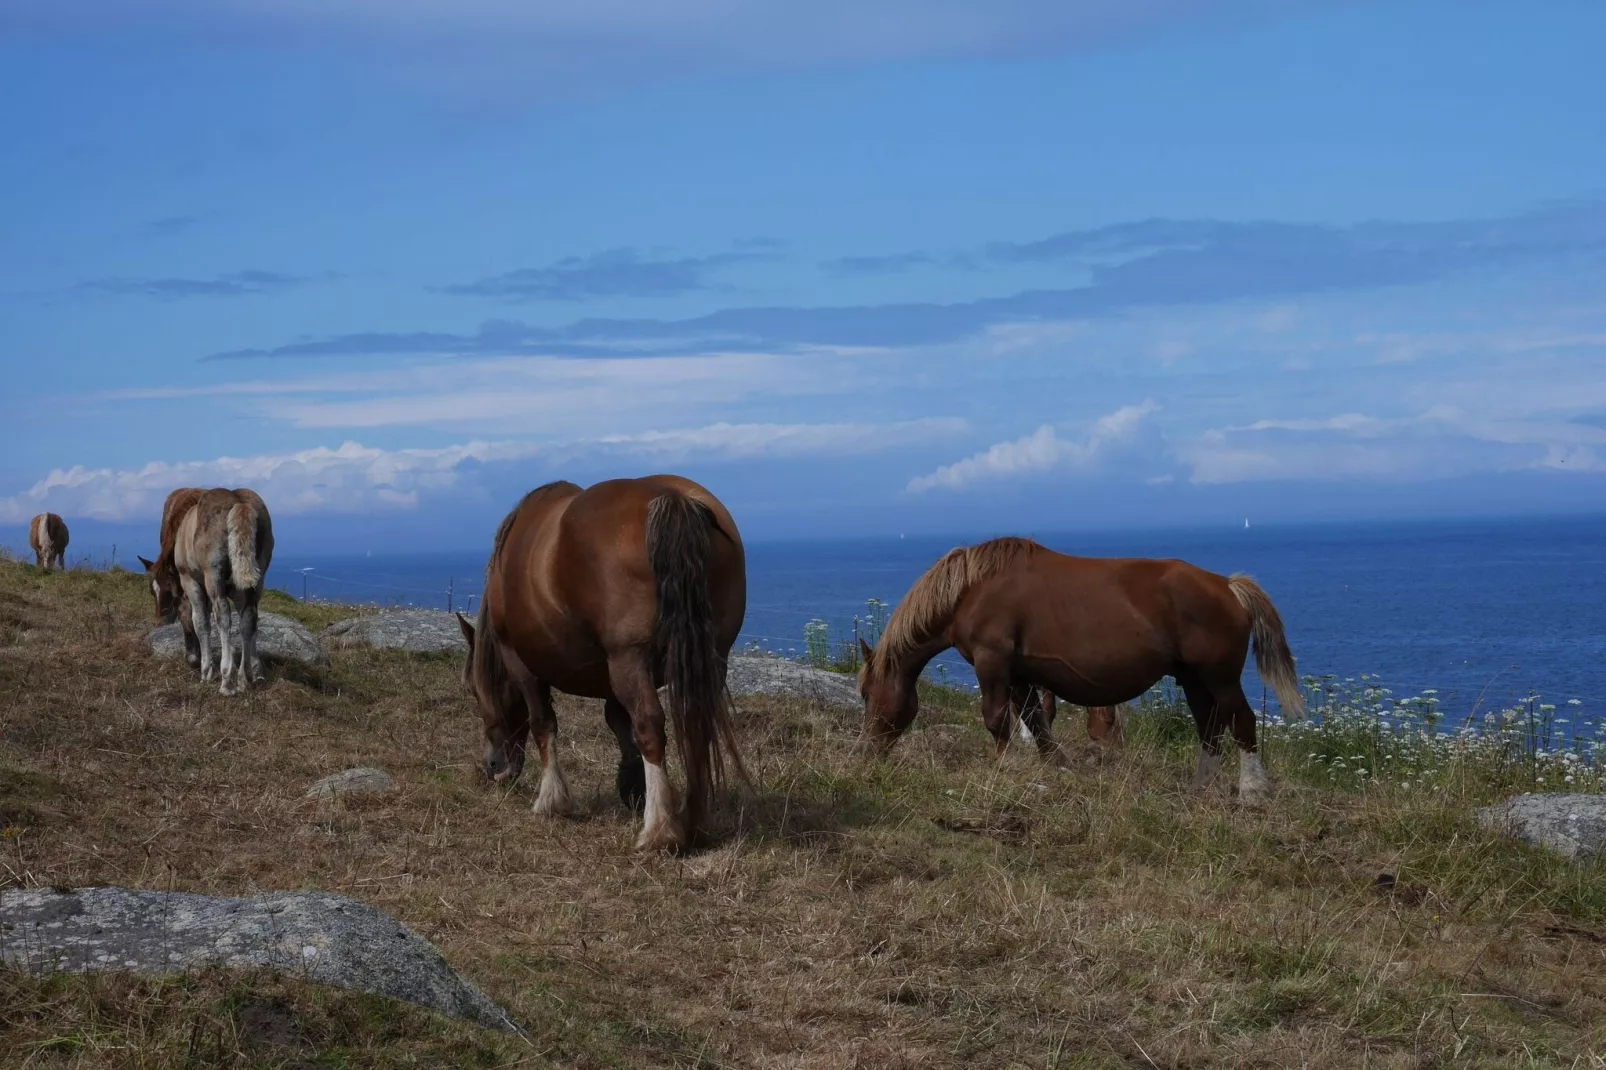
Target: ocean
1485, 612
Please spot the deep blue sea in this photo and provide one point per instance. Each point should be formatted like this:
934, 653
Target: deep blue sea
1482, 611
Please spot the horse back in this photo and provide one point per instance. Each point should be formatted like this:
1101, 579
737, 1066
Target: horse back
1105, 608
571, 576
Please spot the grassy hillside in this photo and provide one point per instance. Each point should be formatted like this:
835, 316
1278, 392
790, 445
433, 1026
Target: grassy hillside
936, 910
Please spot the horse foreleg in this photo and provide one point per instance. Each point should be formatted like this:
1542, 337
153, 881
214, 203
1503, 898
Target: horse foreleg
662, 827
553, 799
631, 779
1037, 717
997, 703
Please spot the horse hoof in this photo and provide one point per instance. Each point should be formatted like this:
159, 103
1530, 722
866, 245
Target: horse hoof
1253, 799
668, 836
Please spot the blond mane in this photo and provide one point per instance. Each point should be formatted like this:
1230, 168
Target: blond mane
930, 603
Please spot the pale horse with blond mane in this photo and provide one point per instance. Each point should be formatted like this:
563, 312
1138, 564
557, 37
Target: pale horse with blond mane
221, 552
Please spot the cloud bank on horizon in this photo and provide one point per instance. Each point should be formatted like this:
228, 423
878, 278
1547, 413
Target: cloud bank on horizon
932, 287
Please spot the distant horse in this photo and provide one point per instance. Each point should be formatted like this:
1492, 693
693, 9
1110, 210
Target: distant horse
47, 535
166, 589
1092, 631
1035, 706
611, 592
221, 552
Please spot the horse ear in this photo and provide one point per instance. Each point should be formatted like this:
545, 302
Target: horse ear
866, 651
468, 630
150, 566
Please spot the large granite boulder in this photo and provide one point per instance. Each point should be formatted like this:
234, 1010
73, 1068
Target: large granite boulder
278, 639
746, 674
1571, 825
322, 937
418, 630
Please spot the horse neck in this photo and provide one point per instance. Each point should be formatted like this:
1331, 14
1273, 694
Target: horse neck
911, 663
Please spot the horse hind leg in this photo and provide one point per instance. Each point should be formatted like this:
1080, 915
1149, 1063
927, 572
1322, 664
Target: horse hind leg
201, 624
223, 611
662, 826
1254, 786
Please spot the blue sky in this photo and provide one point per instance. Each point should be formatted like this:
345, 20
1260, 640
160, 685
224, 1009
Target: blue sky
861, 267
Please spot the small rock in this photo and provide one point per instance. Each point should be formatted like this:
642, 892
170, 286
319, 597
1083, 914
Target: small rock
278, 639
746, 674
365, 780
320, 936
1571, 825
417, 630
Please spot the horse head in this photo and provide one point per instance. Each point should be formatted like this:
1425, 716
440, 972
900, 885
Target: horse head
890, 700
497, 698
165, 588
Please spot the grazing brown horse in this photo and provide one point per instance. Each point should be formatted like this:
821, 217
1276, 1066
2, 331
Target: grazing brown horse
1091, 631
169, 594
611, 592
221, 551
47, 536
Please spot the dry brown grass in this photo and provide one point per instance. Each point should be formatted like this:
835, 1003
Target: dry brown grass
937, 910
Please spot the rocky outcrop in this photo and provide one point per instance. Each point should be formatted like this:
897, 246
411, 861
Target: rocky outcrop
747, 674
417, 630
278, 639
1571, 825
365, 780
322, 937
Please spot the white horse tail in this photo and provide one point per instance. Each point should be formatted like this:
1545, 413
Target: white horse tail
243, 545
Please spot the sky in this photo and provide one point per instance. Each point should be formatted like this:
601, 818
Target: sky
861, 268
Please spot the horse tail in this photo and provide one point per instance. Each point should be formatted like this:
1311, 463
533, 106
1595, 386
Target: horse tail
1273, 659
242, 538
680, 548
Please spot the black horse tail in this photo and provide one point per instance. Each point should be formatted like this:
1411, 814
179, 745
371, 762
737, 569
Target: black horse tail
680, 533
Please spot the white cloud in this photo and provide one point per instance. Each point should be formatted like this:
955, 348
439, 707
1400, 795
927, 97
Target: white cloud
1040, 451
354, 478
1441, 442
785, 440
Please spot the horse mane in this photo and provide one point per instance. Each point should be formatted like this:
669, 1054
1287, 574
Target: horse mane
929, 605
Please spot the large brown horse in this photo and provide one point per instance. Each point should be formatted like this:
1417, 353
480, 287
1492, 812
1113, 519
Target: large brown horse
165, 588
611, 592
1092, 631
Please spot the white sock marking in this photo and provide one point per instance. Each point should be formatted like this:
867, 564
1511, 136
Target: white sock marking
1252, 780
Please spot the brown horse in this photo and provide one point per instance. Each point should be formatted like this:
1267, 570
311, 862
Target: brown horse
1092, 631
169, 594
221, 551
611, 592
47, 537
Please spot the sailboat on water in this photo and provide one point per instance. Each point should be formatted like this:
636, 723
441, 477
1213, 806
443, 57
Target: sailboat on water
1246, 523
